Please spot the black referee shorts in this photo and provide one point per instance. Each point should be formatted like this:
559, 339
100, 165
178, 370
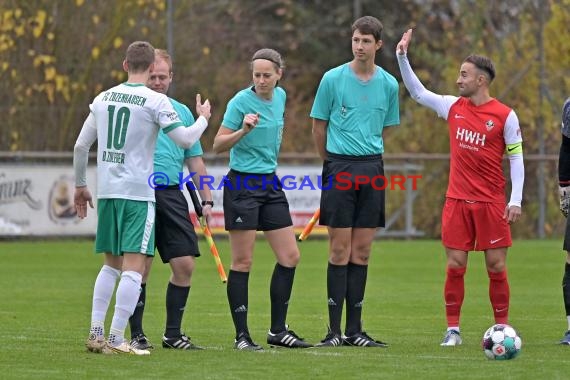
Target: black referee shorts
255, 202
345, 200
174, 231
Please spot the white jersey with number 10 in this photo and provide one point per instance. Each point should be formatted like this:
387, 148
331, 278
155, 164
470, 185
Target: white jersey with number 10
128, 118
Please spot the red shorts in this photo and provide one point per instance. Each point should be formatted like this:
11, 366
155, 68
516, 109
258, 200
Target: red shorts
474, 226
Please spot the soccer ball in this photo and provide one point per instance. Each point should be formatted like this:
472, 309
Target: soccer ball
501, 342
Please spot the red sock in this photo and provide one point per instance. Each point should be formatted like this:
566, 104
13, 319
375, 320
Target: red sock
499, 295
454, 291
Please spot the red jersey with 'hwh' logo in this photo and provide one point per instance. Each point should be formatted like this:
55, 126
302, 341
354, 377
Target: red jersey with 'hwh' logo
477, 144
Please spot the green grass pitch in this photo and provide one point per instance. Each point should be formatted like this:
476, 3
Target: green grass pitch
45, 303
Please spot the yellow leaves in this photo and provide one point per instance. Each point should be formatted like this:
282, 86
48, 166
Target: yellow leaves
19, 30
7, 24
206, 50
38, 23
131, 22
10, 25
557, 40
77, 87
15, 140
49, 73
95, 52
118, 75
62, 86
5, 66
7, 20
5, 42
117, 42
54, 83
43, 59
62, 83
95, 19
79, 3
49, 89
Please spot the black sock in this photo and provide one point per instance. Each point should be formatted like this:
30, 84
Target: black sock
176, 297
355, 285
280, 292
336, 291
566, 288
135, 321
238, 300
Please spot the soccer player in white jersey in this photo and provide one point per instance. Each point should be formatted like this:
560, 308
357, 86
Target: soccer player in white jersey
125, 120
176, 241
475, 214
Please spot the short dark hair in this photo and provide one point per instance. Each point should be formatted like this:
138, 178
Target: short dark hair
482, 63
369, 25
140, 55
270, 55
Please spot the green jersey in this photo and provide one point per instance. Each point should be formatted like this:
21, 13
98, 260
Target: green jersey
169, 157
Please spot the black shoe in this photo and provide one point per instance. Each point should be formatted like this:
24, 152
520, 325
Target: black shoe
141, 342
331, 340
181, 342
286, 338
244, 342
363, 340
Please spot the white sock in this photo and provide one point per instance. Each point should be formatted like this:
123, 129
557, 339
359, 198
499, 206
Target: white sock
568, 318
97, 328
456, 328
102, 294
127, 297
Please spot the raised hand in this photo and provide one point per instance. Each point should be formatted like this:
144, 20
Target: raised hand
203, 109
402, 47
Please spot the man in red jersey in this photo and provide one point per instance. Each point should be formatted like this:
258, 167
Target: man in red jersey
475, 215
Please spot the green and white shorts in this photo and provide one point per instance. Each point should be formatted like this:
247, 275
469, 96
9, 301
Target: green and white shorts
125, 225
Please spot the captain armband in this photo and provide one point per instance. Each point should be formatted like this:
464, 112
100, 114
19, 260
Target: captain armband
514, 148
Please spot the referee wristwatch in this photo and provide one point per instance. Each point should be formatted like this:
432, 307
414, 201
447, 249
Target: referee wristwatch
208, 203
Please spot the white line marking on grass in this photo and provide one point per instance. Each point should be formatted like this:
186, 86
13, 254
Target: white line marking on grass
322, 353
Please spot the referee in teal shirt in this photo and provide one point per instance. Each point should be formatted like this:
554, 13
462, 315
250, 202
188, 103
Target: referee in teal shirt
354, 103
254, 199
